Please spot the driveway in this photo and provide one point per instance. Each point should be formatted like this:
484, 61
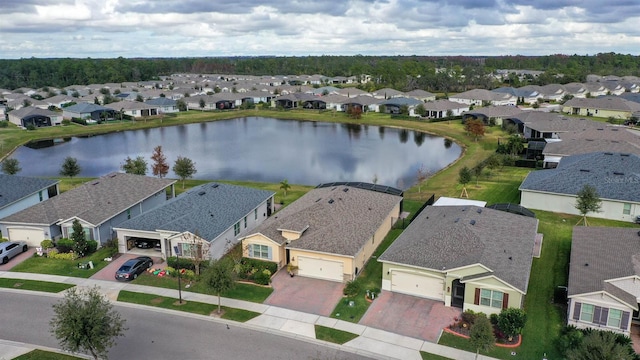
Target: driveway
409, 315
305, 294
18, 259
108, 272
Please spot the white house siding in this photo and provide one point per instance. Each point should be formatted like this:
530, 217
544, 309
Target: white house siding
601, 300
612, 210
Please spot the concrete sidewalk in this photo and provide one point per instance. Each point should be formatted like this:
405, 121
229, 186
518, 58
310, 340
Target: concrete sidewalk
371, 342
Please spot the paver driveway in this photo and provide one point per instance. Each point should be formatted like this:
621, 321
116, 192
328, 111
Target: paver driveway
18, 259
409, 315
300, 293
109, 271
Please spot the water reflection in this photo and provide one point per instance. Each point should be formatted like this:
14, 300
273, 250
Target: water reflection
258, 149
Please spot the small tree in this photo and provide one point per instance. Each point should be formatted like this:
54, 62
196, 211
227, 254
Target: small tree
137, 166
70, 167
160, 168
477, 171
202, 104
284, 186
475, 128
423, 175
511, 321
600, 345
85, 321
481, 334
199, 250
464, 177
219, 277
80, 244
11, 166
185, 168
587, 201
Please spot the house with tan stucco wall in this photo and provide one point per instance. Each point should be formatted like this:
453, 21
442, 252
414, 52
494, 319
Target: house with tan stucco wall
329, 233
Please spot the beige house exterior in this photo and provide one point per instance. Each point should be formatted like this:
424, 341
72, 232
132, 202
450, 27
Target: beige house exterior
329, 233
469, 257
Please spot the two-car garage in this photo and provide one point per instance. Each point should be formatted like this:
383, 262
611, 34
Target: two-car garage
320, 268
417, 285
32, 236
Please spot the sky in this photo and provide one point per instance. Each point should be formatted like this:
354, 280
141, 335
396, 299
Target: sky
196, 28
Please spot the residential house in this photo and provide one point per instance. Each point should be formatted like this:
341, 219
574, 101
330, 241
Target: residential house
33, 116
364, 102
438, 109
134, 109
59, 101
87, 111
20, 192
165, 105
604, 107
99, 205
613, 175
394, 105
482, 97
595, 89
330, 232
470, 257
576, 90
543, 125
387, 93
421, 95
211, 217
491, 115
552, 92
603, 291
605, 138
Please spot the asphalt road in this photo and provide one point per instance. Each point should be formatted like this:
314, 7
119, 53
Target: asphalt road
158, 335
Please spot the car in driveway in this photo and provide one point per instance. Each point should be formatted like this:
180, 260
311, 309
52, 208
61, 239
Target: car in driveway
10, 249
133, 267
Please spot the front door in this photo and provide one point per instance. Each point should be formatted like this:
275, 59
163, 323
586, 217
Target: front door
457, 294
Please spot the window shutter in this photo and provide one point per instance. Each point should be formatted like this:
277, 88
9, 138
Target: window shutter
251, 250
604, 316
624, 323
476, 300
269, 254
505, 300
596, 315
576, 310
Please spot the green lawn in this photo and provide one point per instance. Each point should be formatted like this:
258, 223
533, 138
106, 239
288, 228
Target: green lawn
34, 285
333, 335
496, 352
242, 291
43, 265
187, 306
428, 356
45, 355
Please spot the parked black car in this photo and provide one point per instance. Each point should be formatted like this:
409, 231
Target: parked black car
147, 244
133, 267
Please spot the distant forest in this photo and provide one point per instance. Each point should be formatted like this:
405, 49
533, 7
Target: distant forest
399, 72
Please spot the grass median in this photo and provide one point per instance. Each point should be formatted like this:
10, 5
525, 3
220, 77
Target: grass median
45, 355
34, 285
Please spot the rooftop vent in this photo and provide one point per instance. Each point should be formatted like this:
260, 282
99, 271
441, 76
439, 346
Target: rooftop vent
215, 186
586, 264
345, 189
201, 193
456, 220
318, 199
472, 222
624, 154
330, 201
95, 183
618, 173
585, 170
608, 153
113, 175
510, 257
479, 211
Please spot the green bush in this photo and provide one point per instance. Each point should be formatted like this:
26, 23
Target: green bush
112, 245
189, 275
262, 278
54, 254
66, 122
182, 263
170, 271
3, 240
46, 244
4, 124
92, 246
261, 264
352, 288
511, 321
64, 245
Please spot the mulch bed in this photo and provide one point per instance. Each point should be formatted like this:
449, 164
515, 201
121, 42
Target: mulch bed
462, 329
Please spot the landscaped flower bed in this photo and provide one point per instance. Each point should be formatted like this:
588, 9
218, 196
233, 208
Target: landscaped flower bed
506, 326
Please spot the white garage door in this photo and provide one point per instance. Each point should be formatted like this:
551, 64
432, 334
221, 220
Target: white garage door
417, 285
321, 269
33, 237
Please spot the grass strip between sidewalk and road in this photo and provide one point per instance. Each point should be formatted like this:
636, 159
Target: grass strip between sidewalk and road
45, 355
194, 307
34, 285
333, 335
428, 356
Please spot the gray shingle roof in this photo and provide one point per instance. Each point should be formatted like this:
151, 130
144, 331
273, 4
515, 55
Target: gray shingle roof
610, 253
14, 187
549, 122
336, 221
95, 201
30, 110
207, 210
83, 108
615, 176
443, 238
162, 101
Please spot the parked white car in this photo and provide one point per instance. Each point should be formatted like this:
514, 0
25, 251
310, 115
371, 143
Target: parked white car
11, 249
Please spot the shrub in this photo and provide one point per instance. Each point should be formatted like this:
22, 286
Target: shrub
511, 321
189, 275
66, 122
262, 277
181, 263
112, 245
4, 124
171, 271
54, 254
494, 319
352, 288
31, 127
46, 244
65, 245
470, 316
3, 240
92, 246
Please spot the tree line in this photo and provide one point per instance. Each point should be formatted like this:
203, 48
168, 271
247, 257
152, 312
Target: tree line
432, 73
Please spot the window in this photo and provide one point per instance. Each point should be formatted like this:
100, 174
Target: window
255, 214
627, 209
187, 249
491, 298
586, 313
128, 213
41, 198
236, 228
260, 251
615, 318
245, 222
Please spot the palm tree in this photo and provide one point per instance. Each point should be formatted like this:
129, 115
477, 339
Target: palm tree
284, 186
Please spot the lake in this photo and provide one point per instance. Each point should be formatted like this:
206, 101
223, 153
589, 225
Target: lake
257, 149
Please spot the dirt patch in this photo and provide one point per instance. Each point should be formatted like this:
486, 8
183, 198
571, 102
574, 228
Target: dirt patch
217, 314
156, 301
178, 303
17, 285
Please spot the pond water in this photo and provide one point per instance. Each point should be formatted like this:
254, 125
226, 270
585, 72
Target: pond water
257, 149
